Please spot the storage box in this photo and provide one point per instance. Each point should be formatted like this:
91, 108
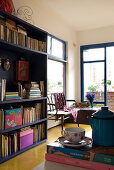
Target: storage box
13, 117
25, 139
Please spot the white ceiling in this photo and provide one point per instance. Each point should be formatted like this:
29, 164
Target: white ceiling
84, 14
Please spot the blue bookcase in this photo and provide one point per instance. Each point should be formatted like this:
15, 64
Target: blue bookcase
37, 72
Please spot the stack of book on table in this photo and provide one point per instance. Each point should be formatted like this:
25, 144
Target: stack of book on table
89, 156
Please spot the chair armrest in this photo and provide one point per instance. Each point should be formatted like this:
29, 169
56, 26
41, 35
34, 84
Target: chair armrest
70, 100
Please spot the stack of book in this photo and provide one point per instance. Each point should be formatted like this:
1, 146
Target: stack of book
12, 96
90, 156
32, 90
16, 34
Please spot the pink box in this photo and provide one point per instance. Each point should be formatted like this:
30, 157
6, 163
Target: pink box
13, 118
26, 138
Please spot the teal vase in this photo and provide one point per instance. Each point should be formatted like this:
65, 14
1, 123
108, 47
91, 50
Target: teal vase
91, 104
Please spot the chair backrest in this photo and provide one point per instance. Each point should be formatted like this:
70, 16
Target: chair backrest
51, 101
59, 100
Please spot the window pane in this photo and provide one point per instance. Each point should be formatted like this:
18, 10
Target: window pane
57, 48
94, 80
110, 77
93, 54
55, 76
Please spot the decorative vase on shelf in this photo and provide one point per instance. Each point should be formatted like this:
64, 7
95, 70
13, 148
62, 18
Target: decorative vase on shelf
91, 104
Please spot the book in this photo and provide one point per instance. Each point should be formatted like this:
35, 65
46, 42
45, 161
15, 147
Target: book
1, 119
22, 70
90, 152
0, 145
2, 88
13, 118
42, 88
77, 162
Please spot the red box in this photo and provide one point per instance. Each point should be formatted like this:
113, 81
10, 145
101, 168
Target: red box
22, 70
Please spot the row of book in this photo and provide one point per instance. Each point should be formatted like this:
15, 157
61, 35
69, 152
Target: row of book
31, 114
11, 143
14, 90
91, 156
38, 132
8, 144
14, 33
16, 117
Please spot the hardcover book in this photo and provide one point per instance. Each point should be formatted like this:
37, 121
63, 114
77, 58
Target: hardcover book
78, 162
13, 118
22, 70
93, 153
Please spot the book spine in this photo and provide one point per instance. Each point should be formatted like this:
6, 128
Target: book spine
67, 152
103, 158
77, 162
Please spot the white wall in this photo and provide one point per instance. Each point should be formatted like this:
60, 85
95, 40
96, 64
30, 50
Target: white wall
45, 18
94, 36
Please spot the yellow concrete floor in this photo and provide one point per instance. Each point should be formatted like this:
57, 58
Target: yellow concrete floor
36, 155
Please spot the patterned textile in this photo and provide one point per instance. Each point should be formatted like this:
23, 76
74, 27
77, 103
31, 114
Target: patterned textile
74, 111
60, 105
59, 100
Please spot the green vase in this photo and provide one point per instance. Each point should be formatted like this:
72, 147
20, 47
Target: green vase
91, 104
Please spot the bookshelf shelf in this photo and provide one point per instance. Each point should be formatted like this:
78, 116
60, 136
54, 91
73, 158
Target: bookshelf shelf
18, 48
24, 125
24, 42
21, 151
23, 100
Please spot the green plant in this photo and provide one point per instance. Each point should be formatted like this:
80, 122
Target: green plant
108, 82
92, 88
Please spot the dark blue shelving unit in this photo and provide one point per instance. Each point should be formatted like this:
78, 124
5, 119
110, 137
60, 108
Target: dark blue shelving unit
37, 72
